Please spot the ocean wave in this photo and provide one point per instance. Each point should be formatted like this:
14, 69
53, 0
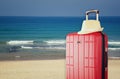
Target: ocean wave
36, 42
29, 47
113, 48
55, 42
114, 43
17, 42
52, 44
26, 47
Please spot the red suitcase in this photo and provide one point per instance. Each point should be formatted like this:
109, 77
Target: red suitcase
86, 55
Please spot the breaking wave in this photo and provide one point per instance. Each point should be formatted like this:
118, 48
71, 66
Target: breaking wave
16, 42
40, 44
114, 43
26, 47
54, 42
113, 48
30, 42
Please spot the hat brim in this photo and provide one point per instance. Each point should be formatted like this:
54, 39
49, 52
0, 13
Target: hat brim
87, 32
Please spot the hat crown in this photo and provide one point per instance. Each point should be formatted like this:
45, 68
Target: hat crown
90, 25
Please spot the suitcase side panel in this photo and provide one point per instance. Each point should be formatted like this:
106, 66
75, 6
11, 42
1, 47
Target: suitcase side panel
103, 56
106, 56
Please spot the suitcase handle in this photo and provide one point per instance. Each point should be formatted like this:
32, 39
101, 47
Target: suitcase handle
92, 11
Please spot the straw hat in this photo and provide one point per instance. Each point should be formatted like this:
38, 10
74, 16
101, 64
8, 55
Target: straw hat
90, 26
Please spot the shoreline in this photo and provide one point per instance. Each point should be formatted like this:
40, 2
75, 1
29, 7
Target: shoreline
110, 59
37, 56
113, 58
31, 56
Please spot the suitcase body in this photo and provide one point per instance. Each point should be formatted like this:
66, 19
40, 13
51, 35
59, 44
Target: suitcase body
86, 56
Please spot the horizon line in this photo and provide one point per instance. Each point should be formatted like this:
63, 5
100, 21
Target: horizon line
56, 16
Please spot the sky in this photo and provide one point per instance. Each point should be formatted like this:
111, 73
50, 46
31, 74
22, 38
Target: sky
58, 7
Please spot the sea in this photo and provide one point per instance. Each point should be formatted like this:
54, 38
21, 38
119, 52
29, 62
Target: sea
20, 34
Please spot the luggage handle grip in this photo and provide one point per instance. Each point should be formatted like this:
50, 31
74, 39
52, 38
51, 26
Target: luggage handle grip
92, 11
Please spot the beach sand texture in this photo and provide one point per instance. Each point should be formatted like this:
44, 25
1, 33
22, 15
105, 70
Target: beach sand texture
32, 69
44, 69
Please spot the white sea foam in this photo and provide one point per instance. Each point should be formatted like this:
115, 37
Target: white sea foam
114, 43
113, 48
17, 42
56, 48
55, 42
28, 47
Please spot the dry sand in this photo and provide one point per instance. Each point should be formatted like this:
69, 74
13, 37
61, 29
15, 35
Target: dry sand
44, 69
35, 69
114, 69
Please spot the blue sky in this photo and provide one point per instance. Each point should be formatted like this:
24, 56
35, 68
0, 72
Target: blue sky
58, 7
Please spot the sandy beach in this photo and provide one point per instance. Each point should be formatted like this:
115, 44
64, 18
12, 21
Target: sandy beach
114, 69
45, 69
32, 69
